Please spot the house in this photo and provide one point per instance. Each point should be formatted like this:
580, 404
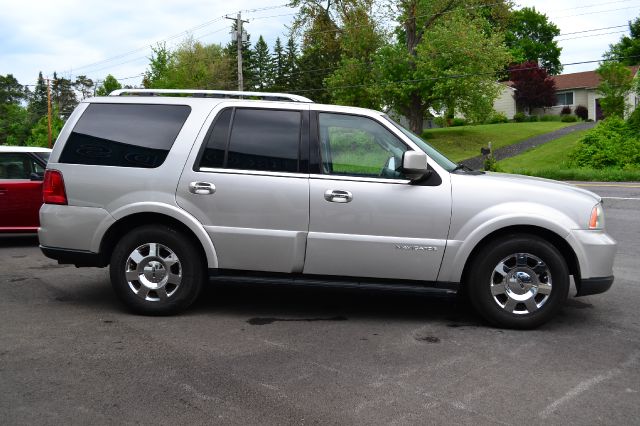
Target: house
573, 89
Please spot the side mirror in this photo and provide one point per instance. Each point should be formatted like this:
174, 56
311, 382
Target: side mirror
414, 165
36, 176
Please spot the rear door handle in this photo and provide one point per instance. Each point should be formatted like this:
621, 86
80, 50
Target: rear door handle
338, 196
202, 188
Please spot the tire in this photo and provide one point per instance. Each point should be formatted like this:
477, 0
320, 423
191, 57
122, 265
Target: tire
519, 281
156, 270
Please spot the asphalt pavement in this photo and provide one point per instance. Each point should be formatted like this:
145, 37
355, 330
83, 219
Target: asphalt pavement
245, 354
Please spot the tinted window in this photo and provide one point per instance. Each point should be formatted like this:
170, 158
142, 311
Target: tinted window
264, 140
216, 143
359, 146
18, 166
125, 135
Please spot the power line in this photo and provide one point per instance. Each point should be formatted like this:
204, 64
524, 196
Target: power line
593, 29
592, 35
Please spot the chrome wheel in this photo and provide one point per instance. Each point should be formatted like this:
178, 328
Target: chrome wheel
153, 272
521, 283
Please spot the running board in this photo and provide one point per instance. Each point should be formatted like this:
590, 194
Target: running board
405, 286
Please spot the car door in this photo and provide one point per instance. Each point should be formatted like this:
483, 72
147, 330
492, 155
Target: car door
366, 218
20, 196
248, 185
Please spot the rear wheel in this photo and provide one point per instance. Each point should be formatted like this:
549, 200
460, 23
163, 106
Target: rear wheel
156, 270
519, 281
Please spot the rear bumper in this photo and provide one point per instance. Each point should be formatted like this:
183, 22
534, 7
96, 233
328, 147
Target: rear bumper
74, 257
594, 285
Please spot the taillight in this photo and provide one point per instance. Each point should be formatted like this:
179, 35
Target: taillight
53, 191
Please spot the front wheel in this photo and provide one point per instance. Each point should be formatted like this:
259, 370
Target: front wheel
156, 270
519, 281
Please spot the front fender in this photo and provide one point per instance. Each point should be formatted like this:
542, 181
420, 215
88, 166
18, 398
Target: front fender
466, 236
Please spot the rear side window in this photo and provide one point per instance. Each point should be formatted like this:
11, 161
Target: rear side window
125, 135
254, 139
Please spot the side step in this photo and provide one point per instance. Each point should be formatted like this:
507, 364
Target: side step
367, 284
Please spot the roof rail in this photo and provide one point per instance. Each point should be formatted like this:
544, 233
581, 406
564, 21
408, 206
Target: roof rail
227, 94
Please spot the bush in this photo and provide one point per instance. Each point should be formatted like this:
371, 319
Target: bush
550, 117
566, 110
491, 164
633, 122
611, 144
532, 119
497, 117
569, 119
457, 122
582, 112
519, 117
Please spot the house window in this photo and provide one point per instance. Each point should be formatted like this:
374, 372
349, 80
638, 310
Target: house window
565, 98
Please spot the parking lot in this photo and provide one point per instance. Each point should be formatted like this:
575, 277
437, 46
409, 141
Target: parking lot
246, 354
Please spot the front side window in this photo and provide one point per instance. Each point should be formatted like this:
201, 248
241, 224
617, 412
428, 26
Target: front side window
18, 166
125, 135
359, 146
254, 139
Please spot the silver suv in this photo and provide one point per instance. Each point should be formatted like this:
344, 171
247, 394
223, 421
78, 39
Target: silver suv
172, 188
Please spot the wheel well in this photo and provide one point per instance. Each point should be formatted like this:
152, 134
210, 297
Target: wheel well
558, 242
124, 225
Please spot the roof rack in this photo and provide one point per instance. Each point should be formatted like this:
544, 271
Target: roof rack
226, 94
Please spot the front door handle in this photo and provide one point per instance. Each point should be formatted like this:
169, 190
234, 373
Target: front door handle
202, 188
338, 196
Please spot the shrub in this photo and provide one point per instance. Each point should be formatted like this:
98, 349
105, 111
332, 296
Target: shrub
497, 117
532, 119
566, 110
582, 112
610, 144
550, 117
519, 117
491, 164
457, 122
633, 122
569, 119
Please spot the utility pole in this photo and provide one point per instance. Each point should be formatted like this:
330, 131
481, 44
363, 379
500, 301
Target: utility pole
49, 109
240, 37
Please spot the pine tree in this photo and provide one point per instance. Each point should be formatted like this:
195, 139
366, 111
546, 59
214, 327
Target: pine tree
38, 101
63, 97
278, 60
263, 66
290, 67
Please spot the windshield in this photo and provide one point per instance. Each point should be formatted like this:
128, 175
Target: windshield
433, 153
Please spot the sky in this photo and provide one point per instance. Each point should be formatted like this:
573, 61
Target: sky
87, 37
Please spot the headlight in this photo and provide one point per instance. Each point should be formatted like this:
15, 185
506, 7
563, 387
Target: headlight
596, 221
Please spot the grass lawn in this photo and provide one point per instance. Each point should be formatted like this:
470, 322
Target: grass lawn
460, 143
551, 161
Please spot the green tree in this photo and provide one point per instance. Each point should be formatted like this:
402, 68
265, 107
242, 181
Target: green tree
11, 91
38, 101
231, 51
109, 84
156, 76
14, 124
279, 72
84, 85
616, 81
263, 69
39, 135
445, 58
63, 97
530, 37
353, 82
627, 50
291, 69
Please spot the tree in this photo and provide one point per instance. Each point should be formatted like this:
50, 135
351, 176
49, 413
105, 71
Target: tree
11, 92
13, 116
444, 58
109, 84
38, 101
263, 70
353, 82
627, 50
279, 72
616, 82
39, 135
529, 37
63, 97
84, 85
156, 77
534, 88
290, 68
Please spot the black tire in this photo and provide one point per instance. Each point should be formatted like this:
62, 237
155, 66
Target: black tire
157, 247
520, 252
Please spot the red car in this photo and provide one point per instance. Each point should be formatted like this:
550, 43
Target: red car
21, 174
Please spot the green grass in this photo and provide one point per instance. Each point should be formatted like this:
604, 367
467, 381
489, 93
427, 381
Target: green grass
460, 143
551, 161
